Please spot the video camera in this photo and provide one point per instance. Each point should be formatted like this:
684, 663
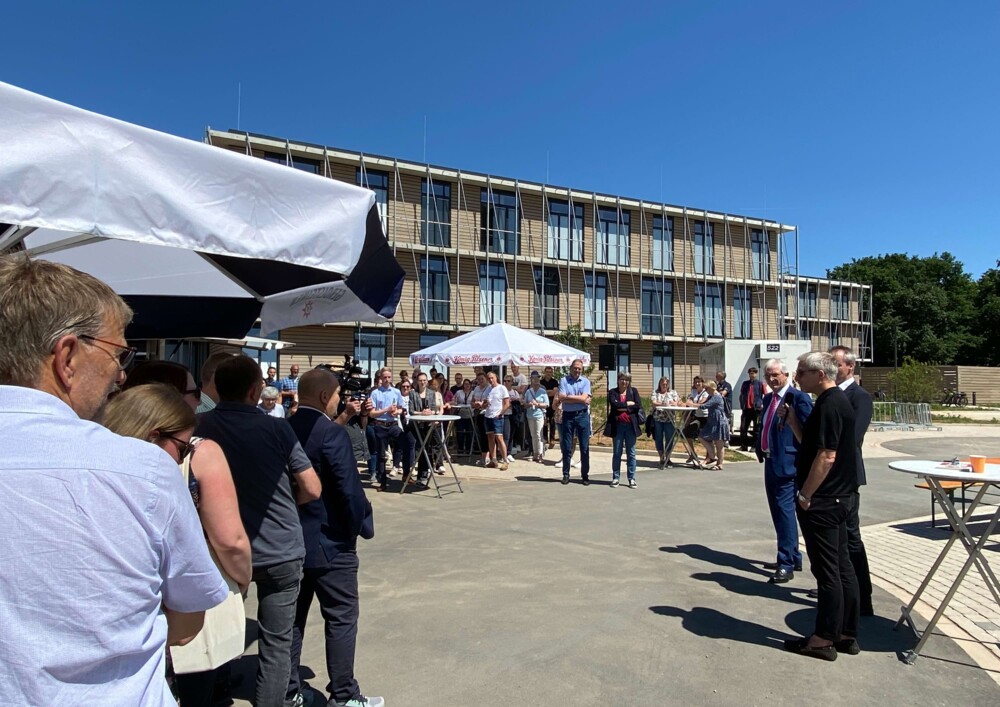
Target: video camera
354, 379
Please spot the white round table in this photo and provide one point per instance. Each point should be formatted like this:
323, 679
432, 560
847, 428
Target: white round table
428, 422
682, 414
934, 473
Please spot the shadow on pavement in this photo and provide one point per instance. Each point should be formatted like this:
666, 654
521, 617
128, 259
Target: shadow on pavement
714, 624
752, 587
717, 557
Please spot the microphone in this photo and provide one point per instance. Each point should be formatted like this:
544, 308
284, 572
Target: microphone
787, 401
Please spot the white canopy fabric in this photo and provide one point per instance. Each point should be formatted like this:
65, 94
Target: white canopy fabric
196, 238
496, 345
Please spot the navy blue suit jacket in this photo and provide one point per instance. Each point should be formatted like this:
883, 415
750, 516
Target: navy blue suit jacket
781, 444
332, 523
861, 401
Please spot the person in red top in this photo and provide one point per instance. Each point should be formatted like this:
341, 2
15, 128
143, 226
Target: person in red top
751, 402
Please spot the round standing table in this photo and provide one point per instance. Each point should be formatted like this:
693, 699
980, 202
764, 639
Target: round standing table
441, 454
681, 414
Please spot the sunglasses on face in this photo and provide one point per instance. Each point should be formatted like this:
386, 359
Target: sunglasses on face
183, 448
124, 357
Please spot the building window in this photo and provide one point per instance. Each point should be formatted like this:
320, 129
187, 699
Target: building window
760, 255
742, 322
612, 236
807, 300
663, 363
834, 335
704, 248
303, 163
546, 298
435, 290
565, 231
842, 305
435, 214
663, 243
492, 293
657, 306
595, 301
500, 222
623, 360
378, 182
708, 315
428, 339
369, 349
805, 330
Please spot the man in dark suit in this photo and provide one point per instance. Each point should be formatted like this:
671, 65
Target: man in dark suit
751, 403
330, 529
861, 401
777, 448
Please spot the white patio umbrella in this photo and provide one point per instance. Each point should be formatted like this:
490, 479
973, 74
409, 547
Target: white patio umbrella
199, 240
496, 345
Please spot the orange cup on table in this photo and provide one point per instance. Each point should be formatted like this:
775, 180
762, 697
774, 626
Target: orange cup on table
978, 463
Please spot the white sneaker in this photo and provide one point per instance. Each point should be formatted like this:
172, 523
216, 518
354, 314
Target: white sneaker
614, 483
576, 463
510, 457
632, 484
362, 701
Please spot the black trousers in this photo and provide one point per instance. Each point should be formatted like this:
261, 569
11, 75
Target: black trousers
336, 587
859, 558
824, 528
384, 434
748, 418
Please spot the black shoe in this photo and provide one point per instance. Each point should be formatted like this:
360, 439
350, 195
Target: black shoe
781, 576
848, 645
801, 646
586, 482
565, 480
774, 566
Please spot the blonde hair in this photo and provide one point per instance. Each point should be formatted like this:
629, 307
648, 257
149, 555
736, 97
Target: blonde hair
711, 386
42, 301
145, 408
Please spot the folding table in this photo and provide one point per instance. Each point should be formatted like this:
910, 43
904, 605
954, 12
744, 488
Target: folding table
934, 473
440, 454
681, 415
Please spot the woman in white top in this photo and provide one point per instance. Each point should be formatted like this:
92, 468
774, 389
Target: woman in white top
663, 420
498, 402
698, 396
480, 399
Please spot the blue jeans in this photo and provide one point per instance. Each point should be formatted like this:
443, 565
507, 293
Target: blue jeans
663, 436
624, 436
277, 592
575, 423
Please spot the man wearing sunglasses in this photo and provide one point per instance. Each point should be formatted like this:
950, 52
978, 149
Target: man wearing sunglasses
107, 555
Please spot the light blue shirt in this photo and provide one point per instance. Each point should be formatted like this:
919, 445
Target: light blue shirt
531, 396
97, 533
384, 397
568, 386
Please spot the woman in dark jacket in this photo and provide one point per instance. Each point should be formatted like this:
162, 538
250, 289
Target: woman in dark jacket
623, 426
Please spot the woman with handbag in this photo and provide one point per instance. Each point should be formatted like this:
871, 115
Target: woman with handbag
157, 413
715, 427
623, 425
663, 420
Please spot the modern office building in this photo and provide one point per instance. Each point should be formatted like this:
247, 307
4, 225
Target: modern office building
659, 281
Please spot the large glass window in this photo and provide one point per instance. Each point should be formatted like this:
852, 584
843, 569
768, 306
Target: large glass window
369, 349
807, 299
663, 243
565, 231
378, 182
708, 313
595, 301
428, 339
623, 361
760, 255
546, 298
492, 293
805, 330
841, 305
612, 236
303, 163
657, 306
704, 248
663, 363
435, 214
500, 224
742, 322
435, 290
833, 333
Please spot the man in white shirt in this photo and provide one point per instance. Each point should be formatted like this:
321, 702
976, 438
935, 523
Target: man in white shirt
520, 380
104, 558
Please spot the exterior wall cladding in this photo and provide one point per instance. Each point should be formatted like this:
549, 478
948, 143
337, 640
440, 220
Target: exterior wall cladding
660, 281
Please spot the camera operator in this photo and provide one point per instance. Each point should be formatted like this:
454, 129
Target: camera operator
352, 411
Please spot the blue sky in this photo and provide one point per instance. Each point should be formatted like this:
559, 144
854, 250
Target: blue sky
872, 126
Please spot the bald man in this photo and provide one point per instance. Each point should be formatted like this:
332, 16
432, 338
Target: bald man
330, 529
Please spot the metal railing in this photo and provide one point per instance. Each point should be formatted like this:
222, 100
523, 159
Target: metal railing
905, 416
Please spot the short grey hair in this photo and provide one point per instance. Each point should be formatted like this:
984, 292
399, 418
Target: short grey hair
624, 373
269, 393
820, 361
41, 302
780, 363
849, 358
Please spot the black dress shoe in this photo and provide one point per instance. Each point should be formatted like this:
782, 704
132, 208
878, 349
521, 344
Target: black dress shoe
848, 645
774, 566
565, 480
802, 647
586, 482
781, 576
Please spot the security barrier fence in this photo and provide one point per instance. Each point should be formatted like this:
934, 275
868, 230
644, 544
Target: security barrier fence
905, 416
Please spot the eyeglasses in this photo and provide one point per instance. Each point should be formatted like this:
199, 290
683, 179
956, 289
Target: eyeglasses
124, 357
799, 371
196, 392
183, 448
403, 386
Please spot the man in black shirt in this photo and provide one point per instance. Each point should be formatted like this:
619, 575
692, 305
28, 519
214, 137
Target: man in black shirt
827, 479
551, 384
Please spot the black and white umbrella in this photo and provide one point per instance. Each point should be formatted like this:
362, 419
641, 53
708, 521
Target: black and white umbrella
200, 241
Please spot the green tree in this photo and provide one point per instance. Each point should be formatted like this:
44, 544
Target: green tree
923, 308
573, 336
916, 382
988, 316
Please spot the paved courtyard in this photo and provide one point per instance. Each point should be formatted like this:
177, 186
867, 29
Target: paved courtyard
530, 592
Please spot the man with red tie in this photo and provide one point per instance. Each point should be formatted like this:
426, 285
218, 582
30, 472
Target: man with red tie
751, 403
777, 447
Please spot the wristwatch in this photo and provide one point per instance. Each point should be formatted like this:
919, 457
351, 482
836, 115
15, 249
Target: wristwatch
804, 499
